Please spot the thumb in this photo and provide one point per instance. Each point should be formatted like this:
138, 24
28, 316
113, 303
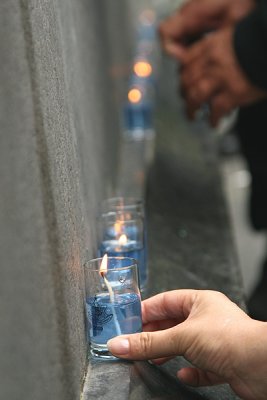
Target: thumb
149, 345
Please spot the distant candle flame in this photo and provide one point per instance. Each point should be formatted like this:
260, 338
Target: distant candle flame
134, 95
122, 239
142, 69
104, 266
117, 227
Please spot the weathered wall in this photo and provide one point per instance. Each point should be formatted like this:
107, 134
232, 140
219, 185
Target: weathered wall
58, 158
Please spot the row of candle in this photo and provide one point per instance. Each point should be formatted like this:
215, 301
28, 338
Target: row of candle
138, 109
115, 279
122, 232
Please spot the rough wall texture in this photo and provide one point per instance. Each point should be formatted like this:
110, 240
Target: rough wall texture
58, 158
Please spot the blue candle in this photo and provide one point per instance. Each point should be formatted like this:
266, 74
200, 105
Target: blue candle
122, 234
138, 116
101, 318
113, 303
147, 29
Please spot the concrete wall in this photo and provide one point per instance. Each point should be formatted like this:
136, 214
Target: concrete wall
59, 143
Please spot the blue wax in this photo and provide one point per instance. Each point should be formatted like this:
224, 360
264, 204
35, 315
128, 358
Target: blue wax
138, 116
132, 249
101, 319
131, 232
147, 32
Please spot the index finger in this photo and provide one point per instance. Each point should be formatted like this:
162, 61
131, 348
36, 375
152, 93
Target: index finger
171, 28
175, 304
191, 19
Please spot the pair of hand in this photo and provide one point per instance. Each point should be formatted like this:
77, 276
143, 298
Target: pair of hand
210, 72
221, 341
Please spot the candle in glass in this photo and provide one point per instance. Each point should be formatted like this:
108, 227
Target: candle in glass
113, 304
122, 234
121, 203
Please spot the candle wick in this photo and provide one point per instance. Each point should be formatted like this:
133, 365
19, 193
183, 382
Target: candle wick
112, 301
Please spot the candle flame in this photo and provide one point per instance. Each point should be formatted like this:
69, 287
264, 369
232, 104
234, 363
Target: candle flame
142, 69
122, 239
134, 95
117, 227
104, 266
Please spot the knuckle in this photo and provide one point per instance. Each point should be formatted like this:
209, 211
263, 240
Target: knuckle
221, 295
206, 89
145, 342
216, 294
199, 92
222, 104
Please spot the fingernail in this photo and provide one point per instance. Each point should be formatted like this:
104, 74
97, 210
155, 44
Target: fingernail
118, 346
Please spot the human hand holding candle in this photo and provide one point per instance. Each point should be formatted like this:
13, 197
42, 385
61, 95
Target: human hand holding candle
221, 341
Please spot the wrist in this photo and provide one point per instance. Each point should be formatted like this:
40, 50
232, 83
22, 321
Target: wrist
250, 369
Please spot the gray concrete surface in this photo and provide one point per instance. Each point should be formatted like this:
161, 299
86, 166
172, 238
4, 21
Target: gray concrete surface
58, 158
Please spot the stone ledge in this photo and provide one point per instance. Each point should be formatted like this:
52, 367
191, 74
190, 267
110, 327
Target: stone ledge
190, 246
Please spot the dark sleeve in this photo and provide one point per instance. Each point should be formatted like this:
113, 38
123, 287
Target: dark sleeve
250, 43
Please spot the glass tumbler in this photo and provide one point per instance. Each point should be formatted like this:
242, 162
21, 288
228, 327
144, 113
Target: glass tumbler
121, 203
130, 207
122, 234
113, 302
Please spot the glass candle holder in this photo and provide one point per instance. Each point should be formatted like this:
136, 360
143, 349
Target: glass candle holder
113, 303
121, 234
120, 203
131, 206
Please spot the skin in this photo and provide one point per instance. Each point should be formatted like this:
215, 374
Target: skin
221, 341
210, 72
196, 17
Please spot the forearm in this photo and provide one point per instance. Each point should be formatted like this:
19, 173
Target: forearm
249, 379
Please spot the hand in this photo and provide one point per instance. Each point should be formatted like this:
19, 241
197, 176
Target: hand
210, 73
196, 17
221, 341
